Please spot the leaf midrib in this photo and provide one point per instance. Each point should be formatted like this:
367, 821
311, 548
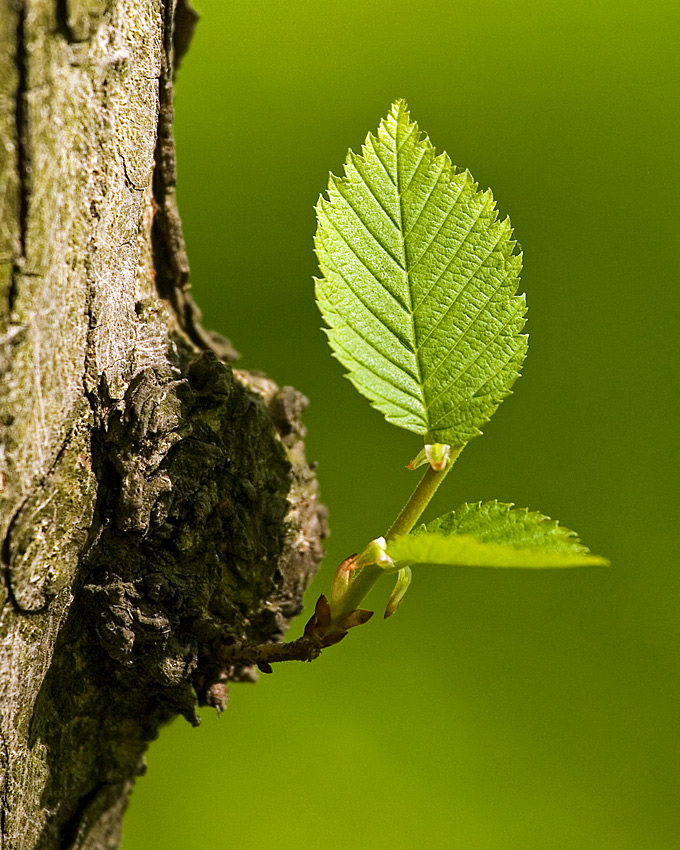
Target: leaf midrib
402, 238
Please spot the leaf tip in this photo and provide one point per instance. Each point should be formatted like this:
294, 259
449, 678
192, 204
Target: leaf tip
601, 561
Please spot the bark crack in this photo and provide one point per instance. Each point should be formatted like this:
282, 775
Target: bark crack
70, 830
23, 153
62, 25
169, 250
6, 549
131, 184
4, 802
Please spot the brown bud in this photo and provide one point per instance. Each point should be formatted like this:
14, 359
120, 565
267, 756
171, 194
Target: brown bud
312, 626
355, 618
331, 640
322, 611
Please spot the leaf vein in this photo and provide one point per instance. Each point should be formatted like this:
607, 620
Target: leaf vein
404, 343
379, 353
413, 173
467, 368
365, 265
435, 185
446, 268
352, 356
375, 236
459, 295
445, 221
375, 141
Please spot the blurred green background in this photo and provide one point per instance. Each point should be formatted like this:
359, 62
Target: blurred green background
498, 710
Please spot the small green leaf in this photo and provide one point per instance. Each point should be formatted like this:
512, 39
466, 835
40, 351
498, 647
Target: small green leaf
493, 534
502, 522
419, 285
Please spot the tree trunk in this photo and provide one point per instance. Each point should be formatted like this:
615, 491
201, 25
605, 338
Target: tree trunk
155, 506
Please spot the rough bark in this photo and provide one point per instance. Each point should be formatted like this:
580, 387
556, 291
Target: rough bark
155, 506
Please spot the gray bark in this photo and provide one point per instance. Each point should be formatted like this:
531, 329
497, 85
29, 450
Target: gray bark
155, 506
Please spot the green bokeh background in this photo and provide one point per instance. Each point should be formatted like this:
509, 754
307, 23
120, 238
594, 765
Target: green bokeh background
498, 710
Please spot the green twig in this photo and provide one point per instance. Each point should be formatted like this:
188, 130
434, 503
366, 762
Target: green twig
367, 576
420, 498
358, 590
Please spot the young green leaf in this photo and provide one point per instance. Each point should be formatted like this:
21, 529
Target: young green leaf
493, 534
502, 522
419, 285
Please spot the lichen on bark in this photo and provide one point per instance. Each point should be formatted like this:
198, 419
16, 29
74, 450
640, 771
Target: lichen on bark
156, 507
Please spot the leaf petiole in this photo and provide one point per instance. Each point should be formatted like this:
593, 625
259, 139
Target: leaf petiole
421, 496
